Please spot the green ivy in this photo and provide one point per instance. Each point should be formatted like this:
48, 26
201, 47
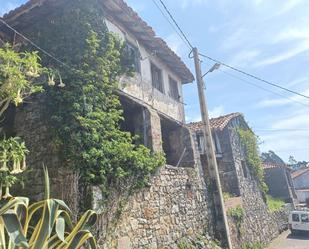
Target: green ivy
85, 115
238, 214
250, 143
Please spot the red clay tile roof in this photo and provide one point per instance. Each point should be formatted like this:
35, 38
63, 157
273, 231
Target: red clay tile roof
129, 19
300, 172
216, 123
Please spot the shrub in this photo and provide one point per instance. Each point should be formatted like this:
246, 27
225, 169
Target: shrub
238, 214
274, 204
252, 246
44, 224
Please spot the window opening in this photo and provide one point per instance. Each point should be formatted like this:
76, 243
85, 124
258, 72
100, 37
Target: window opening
157, 80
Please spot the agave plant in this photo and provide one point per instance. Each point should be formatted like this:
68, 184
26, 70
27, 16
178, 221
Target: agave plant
45, 224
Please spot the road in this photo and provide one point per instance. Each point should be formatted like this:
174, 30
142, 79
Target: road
287, 241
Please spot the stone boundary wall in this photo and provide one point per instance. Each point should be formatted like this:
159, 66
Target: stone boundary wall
259, 224
174, 206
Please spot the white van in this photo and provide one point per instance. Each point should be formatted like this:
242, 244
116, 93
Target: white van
299, 221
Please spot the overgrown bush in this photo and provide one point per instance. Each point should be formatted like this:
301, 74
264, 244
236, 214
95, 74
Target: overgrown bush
198, 242
250, 143
85, 116
274, 204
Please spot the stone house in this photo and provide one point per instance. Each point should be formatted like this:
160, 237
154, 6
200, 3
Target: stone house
279, 181
175, 204
301, 182
238, 182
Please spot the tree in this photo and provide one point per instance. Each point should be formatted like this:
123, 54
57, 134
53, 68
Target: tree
272, 158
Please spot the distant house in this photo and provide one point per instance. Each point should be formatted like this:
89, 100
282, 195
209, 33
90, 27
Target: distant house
279, 181
301, 183
239, 183
230, 156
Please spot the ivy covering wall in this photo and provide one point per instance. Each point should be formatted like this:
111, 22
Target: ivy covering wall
84, 115
250, 143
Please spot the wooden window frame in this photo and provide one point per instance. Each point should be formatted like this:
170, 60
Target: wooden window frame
157, 80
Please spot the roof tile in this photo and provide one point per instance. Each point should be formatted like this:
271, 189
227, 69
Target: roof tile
164, 52
218, 123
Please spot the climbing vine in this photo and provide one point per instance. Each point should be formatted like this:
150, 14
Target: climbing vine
85, 115
250, 143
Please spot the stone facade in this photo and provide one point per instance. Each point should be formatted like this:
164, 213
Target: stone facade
258, 225
173, 206
30, 123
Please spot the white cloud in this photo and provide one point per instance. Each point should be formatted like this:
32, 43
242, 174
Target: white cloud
288, 6
6, 7
289, 134
298, 81
186, 3
216, 111
176, 44
293, 101
298, 49
291, 34
244, 57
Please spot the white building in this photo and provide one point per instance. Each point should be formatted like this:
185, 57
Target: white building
301, 183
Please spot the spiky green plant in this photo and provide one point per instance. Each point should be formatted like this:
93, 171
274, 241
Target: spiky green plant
44, 224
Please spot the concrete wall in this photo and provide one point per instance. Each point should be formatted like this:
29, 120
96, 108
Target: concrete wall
140, 85
302, 181
173, 206
276, 181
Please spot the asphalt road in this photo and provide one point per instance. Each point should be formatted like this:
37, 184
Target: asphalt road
287, 241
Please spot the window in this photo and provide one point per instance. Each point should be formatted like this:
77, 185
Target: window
304, 218
200, 142
216, 141
295, 217
174, 93
134, 57
156, 75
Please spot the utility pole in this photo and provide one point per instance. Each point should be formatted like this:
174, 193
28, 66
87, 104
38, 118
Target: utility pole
209, 147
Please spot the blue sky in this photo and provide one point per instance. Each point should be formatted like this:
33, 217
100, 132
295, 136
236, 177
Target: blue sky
267, 38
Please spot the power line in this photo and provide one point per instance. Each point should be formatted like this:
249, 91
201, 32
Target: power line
217, 61
279, 130
253, 76
260, 87
177, 25
35, 45
171, 24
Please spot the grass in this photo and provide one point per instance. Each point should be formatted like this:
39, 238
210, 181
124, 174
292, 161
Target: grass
274, 204
252, 246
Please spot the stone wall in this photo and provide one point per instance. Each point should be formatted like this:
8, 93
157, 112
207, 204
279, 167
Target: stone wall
173, 206
259, 225
30, 123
